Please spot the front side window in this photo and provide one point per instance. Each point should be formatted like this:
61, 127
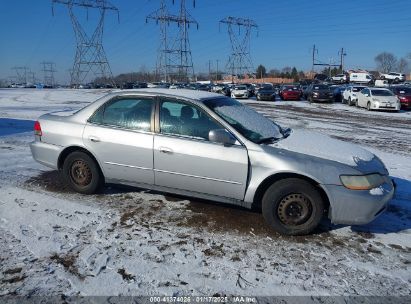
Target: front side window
128, 113
177, 118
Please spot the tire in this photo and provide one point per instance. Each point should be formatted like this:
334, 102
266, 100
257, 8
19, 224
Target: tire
310, 99
382, 77
356, 103
369, 106
292, 195
350, 101
82, 173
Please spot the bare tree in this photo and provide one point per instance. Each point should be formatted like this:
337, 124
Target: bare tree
385, 62
402, 65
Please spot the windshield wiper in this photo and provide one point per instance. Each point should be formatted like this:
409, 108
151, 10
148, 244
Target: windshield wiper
267, 140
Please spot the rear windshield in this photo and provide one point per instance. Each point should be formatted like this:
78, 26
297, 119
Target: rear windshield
381, 93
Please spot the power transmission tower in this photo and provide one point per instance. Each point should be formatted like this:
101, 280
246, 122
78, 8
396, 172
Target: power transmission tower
161, 17
175, 58
90, 55
239, 62
21, 74
48, 71
31, 77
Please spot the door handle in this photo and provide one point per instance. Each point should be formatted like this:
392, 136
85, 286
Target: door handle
94, 138
165, 150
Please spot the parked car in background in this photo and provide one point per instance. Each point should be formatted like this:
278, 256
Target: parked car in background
208, 146
350, 94
381, 83
290, 92
362, 78
378, 99
321, 78
341, 78
404, 95
240, 91
251, 89
266, 92
393, 77
338, 92
318, 92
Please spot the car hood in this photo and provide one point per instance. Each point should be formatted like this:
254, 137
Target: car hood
322, 146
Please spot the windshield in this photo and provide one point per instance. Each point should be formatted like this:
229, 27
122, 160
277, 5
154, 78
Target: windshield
381, 93
267, 88
290, 88
247, 122
240, 88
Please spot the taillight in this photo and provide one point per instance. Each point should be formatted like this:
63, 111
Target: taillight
37, 129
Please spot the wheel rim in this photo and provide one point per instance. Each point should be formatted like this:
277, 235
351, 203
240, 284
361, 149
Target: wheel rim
80, 173
294, 209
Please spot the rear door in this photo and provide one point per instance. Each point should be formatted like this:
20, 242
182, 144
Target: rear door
185, 159
120, 135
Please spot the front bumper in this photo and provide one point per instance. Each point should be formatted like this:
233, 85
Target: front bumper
240, 95
266, 97
45, 154
291, 97
380, 106
357, 207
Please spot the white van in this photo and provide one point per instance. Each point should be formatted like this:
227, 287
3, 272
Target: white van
381, 83
361, 78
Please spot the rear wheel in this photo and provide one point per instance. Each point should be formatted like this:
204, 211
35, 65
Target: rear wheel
82, 173
292, 206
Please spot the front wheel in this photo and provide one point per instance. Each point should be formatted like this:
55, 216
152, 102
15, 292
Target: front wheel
82, 173
292, 206
369, 106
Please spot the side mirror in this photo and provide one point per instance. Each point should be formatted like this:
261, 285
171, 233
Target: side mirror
221, 136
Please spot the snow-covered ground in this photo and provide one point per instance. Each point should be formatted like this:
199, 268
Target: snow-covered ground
133, 242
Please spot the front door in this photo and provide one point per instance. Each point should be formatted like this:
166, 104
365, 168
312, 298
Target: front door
120, 135
185, 159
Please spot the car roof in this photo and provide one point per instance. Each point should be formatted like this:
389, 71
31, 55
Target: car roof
181, 93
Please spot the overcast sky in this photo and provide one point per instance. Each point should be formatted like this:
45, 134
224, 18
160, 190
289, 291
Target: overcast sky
287, 31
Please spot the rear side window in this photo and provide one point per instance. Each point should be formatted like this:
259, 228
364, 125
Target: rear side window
128, 113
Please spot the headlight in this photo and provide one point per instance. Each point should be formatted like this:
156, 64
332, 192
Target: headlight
315, 94
362, 182
375, 99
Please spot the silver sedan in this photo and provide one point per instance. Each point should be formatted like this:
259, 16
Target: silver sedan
204, 145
